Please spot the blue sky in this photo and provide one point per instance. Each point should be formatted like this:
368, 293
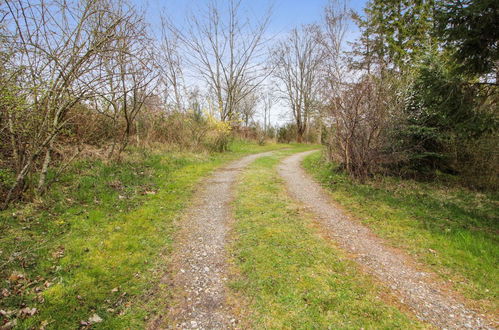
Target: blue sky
286, 13
290, 13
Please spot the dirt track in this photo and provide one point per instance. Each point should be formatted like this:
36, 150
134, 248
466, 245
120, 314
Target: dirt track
199, 269
199, 256
420, 291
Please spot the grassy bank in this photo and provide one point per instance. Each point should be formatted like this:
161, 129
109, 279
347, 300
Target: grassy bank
291, 276
452, 230
87, 252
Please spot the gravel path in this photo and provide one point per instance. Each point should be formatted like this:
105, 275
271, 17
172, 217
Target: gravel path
199, 257
420, 291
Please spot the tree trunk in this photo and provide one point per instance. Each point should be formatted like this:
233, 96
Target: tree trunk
137, 132
45, 166
13, 143
19, 179
299, 133
319, 136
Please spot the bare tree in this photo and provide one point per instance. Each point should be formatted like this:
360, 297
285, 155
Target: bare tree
297, 61
332, 39
268, 100
334, 72
127, 73
170, 66
227, 51
247, 108
56, 46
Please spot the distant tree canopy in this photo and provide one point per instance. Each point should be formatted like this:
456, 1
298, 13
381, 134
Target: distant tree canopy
471, 29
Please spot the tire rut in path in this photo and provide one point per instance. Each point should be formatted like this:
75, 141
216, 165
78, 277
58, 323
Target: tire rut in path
415, 289
199, 256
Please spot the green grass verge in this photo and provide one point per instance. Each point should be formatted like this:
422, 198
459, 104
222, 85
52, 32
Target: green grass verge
92, 244
452, 230
291, 276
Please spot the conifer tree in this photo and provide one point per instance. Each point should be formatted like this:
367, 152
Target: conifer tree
395, 32
471, 29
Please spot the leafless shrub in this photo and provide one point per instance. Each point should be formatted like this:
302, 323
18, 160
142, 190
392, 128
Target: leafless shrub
360, 106
361, 114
